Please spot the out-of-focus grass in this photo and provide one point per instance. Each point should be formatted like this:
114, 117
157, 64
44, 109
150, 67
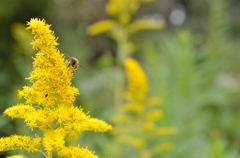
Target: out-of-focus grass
189, 72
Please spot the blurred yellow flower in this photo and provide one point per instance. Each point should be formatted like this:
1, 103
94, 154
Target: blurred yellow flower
147, 0
122, 26
146, 24
122, 9
136, 121
16, 156
162, 147
100, 27
49, 102
138, 84
133, 141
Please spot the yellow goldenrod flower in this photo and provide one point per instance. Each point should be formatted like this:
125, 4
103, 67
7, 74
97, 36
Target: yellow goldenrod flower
146, 24
16, 156
164, 131
147, 1
100, 27
138, 84
154, 115
49, 102
136, 122
148, 126
132, 107
153, 101
120, 118
53, 140
122, 26
122, 9
97, 125
130, 140
76, 152
20, 142
161, 148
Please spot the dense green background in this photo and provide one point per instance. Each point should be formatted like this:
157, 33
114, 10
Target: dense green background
193, 67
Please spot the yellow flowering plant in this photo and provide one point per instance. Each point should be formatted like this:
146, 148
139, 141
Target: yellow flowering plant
16, 156
136, 120
121, 27
49, 103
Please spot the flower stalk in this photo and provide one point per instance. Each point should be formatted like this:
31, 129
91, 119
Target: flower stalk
121, 28
136, 120
49, 102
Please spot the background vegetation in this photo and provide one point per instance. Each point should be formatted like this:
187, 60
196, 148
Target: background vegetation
192, 65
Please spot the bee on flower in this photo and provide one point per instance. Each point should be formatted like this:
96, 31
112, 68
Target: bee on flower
74, 63
55, 115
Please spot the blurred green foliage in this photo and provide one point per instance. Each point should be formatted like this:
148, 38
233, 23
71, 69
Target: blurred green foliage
193, 67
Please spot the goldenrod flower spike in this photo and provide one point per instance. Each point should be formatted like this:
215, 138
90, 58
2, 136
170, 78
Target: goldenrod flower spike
49, 102
16, 156
100, 27
138, 84
136, 121
121, 27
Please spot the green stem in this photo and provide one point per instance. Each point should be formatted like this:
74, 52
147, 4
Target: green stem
118, 87
38, 150
56, 126
50, 155
119, 77
67, 135
43, 153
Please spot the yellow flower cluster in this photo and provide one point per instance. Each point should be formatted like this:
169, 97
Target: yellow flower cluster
76, 152
20, 142
136, 78
136, 123
16, 156
121, 27
124, 9
49, 102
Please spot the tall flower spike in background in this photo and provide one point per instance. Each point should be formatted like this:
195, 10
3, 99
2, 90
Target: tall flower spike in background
121, 28
49, 102
136, 123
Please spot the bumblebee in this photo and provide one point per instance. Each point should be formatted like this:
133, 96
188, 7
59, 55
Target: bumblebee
74, 63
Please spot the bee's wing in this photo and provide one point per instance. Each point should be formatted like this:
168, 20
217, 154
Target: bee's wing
82, 67
68, 55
